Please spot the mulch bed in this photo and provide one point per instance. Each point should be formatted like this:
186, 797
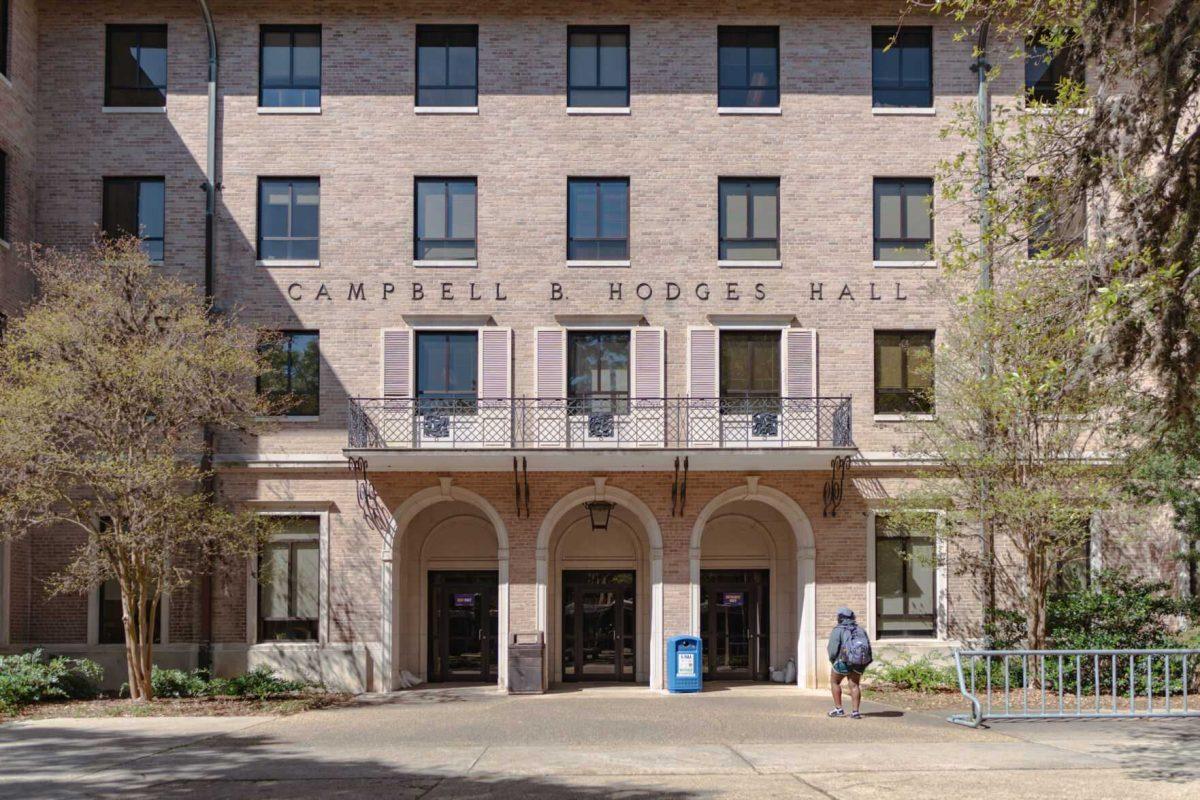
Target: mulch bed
184, 707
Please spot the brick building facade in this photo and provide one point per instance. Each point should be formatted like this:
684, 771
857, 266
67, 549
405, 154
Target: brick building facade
321, 170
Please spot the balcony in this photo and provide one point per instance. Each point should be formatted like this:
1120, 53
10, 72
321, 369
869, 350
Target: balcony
615, 433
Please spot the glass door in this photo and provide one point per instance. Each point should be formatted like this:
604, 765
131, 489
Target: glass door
464, 622
735, 624
599, 626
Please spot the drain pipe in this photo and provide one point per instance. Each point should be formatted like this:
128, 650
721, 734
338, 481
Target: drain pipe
987, 528
205, 655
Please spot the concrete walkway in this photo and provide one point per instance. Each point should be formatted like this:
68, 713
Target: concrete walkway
601, 743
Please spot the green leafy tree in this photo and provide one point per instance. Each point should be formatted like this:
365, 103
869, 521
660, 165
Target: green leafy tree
105, 386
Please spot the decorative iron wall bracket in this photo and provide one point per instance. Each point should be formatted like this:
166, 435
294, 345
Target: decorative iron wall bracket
521, 498
679, 488
373, 508
835, 487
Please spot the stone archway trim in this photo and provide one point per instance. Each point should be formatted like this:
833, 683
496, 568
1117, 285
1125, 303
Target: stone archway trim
649, 523
805, 566
402, 517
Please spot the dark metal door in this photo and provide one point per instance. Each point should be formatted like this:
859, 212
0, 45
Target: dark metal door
463, 626
735, 624
599, 626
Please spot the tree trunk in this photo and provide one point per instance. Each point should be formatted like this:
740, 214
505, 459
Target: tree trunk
139, 641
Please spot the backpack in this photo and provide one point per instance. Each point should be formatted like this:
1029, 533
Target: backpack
856, 648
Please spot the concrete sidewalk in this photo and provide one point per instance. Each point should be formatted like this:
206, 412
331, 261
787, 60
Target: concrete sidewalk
600, 743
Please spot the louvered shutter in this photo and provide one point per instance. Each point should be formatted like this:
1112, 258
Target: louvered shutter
550, 346
495, 363
800, 363
703, 362
397, 363
648, 363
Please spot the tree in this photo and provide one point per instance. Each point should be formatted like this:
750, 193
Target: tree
1126, 139
105, 386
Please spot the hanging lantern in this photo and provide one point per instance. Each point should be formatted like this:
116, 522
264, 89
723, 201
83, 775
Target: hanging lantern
599, 511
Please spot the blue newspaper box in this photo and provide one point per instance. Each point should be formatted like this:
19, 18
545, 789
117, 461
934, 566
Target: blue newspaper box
684, 664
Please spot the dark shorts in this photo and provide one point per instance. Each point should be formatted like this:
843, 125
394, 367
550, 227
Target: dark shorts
842, 668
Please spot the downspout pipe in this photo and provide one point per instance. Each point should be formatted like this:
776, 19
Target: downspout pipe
987, 537
211, 186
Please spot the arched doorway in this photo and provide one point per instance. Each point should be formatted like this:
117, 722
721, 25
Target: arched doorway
752, 570
446, 590
600, 592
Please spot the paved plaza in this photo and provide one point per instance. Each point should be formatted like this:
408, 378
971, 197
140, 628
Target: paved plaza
601, 743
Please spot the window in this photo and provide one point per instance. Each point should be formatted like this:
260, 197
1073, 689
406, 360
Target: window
294, 374
905, 581
902, 74
903, 219
1045, 69
1073, 568
747, 67
447, 372
136, 207
598, 219
445, 219
135, 74
447, 66
5, 15
598, 67
904, 372
749, 224
111, 616
598, 372
750, 372
289, 215
289, 66
289, 586
3, 196
1057, 226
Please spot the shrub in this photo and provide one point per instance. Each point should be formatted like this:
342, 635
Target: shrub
1120, 613
261, 683
177, 683
920, 674
31, 678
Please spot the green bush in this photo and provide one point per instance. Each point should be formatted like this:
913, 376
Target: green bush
261, 683
1120, 613
31, 678
920, 674
177, 683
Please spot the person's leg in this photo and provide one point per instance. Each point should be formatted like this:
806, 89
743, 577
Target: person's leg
835, 686
855, 689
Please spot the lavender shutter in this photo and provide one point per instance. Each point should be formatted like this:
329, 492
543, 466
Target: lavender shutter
495, 363
550, 345
800, 363
397, 363
648, 365
703, 362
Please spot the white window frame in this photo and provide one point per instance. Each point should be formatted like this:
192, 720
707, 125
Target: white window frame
941, 572
322, 513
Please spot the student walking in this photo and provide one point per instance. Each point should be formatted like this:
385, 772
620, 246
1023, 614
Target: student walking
850, 654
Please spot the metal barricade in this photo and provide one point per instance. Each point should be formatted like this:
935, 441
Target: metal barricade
1080, 684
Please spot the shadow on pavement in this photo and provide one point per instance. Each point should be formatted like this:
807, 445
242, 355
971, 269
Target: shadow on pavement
50, 761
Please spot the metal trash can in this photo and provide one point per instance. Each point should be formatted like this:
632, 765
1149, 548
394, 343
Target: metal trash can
526, 655
684, 664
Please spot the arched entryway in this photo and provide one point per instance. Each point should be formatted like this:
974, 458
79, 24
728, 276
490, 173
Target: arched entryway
445, 590
752, 562
599, 593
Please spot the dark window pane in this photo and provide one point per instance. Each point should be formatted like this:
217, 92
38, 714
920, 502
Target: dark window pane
135, 65
598, 219
902, 71
748, 219
1045, 69
123, 69
748, 67
597, 98
447, 372
447, 65
289, 219
905, 582
597, 67
903, 219
290, 582
120, 207
598, 372
445, 219
583, 209
903, 372
294, 372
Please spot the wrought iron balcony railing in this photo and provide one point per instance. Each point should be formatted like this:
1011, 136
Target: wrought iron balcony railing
600, 423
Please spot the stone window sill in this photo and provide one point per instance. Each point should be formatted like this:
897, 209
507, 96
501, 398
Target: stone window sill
725, 262
134, 109
289, 419
437, 262
286, 110
598, 111
598, 263
287, 262
905, 264
446, 109
903, 112
734, 111
905, 417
